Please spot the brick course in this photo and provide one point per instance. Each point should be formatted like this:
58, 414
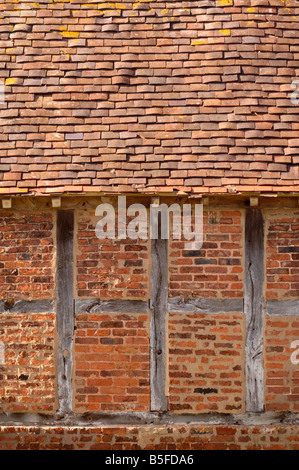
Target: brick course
110, 268
282, 263
206, 363
26, 255
28, 376
171, 438
112, 363
281, 375
217, 269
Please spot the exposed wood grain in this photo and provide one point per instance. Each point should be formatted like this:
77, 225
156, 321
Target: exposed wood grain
282, 307
254, 309
215, 306
110, 306
27, 306
65, 307
158, 323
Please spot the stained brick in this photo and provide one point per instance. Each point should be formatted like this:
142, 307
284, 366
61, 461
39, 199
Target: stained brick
281, 376
205, 363
28, 374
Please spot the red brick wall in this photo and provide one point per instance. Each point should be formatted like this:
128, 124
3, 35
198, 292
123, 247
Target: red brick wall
206, 363
26, 255
27, 271
206, 360
282, 261
112, 363
205, 352
110, 268
216, 270
282, 283
111, 350
170, 438
28, 377
281, 374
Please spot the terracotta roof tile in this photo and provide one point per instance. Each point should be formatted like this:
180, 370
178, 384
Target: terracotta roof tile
147, 97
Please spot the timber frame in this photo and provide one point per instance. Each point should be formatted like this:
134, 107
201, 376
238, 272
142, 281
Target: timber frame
253, 306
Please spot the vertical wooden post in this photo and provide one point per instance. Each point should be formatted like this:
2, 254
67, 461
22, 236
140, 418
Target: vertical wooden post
254, 309
159, 301
65, 307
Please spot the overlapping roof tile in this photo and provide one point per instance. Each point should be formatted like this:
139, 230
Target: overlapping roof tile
143, 96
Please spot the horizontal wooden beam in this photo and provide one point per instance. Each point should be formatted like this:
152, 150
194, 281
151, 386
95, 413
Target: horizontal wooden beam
282, 307
110, 306
27, 306
185, 305
176, 304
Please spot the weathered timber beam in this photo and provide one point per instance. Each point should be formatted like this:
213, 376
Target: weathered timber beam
27, 306
110, 306
158, 323
65, 307
282, 307
185, 305
254, 309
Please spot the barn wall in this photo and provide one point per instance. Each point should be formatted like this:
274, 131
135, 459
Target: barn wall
89, 335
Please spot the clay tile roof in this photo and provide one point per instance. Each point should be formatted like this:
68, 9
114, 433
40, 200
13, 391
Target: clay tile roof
143, 96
